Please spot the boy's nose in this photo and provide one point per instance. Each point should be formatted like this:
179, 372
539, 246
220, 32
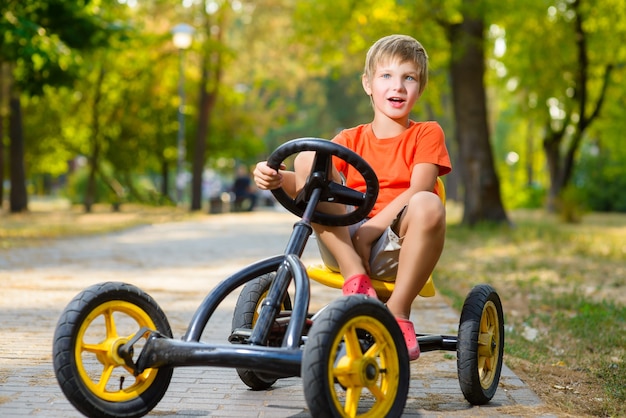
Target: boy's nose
398, 84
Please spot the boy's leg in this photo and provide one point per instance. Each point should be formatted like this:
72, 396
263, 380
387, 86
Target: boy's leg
336, 238
422, 228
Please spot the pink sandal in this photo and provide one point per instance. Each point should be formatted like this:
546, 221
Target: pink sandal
408, 330
359, 284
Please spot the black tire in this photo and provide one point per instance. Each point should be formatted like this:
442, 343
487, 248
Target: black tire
355, 361
99, 319
245, 316
480, 345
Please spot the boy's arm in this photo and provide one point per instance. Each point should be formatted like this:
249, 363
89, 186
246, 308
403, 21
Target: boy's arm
423, 178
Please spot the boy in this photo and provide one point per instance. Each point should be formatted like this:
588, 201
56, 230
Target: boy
404, 234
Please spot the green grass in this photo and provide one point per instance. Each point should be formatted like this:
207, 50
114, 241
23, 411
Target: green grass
563, 288
581, 335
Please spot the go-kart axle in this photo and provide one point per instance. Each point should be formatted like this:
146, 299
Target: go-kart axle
160, 351
428, 342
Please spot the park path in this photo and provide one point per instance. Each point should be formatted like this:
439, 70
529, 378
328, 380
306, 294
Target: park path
178, 263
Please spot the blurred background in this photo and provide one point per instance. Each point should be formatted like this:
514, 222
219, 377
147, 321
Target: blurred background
162, 102
115, 113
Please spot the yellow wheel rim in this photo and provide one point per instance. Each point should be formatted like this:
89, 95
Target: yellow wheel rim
488, 345
102, 370
259, 305
372, 376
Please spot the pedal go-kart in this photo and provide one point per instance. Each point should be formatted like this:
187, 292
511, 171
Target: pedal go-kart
114, 352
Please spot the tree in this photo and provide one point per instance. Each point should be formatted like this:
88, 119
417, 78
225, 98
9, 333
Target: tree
482, 199
223, 124
39, 42
582, 111
559, 61
213, 26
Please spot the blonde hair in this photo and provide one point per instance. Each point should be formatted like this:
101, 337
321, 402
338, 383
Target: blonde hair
401, 47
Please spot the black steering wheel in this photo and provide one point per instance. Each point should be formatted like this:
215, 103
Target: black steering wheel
321, 177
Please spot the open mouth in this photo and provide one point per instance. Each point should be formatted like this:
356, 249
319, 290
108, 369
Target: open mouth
396, 100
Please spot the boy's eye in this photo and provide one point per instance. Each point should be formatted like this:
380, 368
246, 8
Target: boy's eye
410, 78
386, 75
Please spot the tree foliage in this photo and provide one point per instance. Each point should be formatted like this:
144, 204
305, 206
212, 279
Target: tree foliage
562, 60
106, 94
39, 44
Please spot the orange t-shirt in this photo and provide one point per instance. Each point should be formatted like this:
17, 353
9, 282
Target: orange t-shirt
393, 159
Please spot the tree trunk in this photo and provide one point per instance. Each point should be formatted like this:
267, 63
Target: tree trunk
211, 77
207, 103
1, 157
551, 147
207, 99
18, 197
165, 179
94, 158
4, 112
482, 198
530, 152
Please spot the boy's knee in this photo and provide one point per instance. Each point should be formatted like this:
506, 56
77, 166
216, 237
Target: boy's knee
428, 209
303, 161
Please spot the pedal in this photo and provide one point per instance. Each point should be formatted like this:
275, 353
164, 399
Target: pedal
240, 336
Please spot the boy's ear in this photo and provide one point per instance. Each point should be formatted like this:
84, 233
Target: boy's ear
366, 85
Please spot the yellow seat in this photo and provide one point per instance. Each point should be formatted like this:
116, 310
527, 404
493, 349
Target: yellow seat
325, 276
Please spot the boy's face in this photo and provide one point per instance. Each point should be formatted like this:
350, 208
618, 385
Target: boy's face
394, 88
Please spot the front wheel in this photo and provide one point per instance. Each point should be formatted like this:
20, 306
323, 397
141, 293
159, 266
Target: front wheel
480, 345
88, 367
245, 316
355, 362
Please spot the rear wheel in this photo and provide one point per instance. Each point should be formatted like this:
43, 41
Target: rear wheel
245, 316
480, 345
355, 361
88, 367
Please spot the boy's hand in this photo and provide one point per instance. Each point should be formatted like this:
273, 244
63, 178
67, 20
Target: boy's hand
364, 251
266, 178
362, 241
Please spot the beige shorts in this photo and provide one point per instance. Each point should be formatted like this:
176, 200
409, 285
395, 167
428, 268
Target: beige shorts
383, 258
